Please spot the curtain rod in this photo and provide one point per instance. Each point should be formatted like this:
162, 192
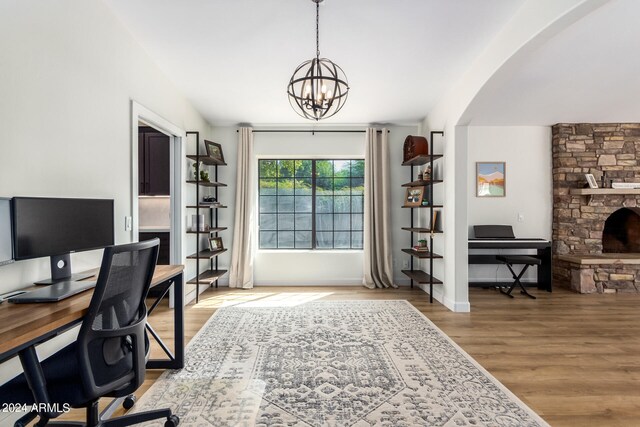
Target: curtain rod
310, 131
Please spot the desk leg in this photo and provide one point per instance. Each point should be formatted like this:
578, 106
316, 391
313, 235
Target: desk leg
178, 320
544, 270
176, 361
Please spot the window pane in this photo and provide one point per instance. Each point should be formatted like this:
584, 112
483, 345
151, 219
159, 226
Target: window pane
287, 216
268, 168
324, 186
324, 204
285, 203
303, 221
324, 222
324, 168
342, 204
267, 186
285, 187
356, 222
303, 168
285, 168
285, 239
303, 186
342, 240
341, 168
357, 186
342, 222
303, 239
357, 204
356, 240
342, 186
268, 239
324, 240
267, 204
303, 204
357, 168
268, 222
285, 222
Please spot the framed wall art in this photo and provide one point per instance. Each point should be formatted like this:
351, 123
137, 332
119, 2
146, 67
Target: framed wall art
491, 179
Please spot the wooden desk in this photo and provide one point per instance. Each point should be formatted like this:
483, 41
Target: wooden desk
24, 325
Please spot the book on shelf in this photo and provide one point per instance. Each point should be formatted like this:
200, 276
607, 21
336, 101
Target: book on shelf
421, 248
625, 185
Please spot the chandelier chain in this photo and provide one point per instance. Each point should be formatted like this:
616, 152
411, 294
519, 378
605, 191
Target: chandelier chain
317, 30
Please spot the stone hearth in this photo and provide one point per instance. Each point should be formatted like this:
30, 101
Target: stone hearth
579, 220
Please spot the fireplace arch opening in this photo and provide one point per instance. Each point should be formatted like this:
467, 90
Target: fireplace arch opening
621, 232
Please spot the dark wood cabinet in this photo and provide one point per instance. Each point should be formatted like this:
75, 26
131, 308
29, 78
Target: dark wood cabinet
153, 162
164, 257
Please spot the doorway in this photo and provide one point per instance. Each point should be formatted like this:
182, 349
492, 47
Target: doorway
154, 189
157, 175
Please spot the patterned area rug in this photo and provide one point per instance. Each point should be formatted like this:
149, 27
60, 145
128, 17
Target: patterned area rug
334, 363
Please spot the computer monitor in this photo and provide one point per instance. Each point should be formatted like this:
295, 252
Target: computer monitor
48, 227
6, 242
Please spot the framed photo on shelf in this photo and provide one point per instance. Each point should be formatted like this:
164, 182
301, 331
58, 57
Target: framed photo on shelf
414, 196
491, 179
591, 180
214, 151
215, 243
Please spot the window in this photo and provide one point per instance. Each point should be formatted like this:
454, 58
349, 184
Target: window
311, 204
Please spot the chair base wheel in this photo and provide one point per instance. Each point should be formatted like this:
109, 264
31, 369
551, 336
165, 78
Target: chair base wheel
172, 421
129, 401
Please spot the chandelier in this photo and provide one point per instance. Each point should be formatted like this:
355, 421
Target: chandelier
318, 88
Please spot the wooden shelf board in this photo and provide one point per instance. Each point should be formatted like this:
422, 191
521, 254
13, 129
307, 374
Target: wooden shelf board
419, 207
206, 160
207, 207
602, 191
207, 277
421, 277
206, 254
207, 184
422, 183
421, 254
421, 160
420, 230
211, 230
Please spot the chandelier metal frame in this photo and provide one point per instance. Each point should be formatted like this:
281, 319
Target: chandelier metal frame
318, 88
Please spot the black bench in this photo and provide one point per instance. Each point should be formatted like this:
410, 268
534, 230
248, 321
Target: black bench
510, 261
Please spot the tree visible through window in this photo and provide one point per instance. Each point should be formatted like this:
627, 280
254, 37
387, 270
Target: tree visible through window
311, 204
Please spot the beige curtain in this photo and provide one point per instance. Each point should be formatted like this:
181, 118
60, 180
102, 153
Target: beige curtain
241, 268
378, 262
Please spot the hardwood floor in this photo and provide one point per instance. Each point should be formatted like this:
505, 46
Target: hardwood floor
574, 359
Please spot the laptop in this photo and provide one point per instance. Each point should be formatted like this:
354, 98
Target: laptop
493, 232
54, 293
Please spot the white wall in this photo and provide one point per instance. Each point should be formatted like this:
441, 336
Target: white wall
68, 73
535, 22
69, 70
330, 267
529, 193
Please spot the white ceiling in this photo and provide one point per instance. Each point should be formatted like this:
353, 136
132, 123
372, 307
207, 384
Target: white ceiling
233, 59
588, 73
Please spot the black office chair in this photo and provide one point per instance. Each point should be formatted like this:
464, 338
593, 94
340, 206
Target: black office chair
109, 355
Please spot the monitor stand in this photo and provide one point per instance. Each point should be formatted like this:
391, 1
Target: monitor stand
61, 271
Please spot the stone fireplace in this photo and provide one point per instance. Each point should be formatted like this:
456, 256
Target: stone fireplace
596, 233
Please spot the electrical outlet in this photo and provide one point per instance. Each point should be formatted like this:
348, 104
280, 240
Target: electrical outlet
128, 223
520, 217
405, 264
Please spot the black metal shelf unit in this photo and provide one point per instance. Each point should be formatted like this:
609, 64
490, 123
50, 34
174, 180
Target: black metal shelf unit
420, 276
210, 276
